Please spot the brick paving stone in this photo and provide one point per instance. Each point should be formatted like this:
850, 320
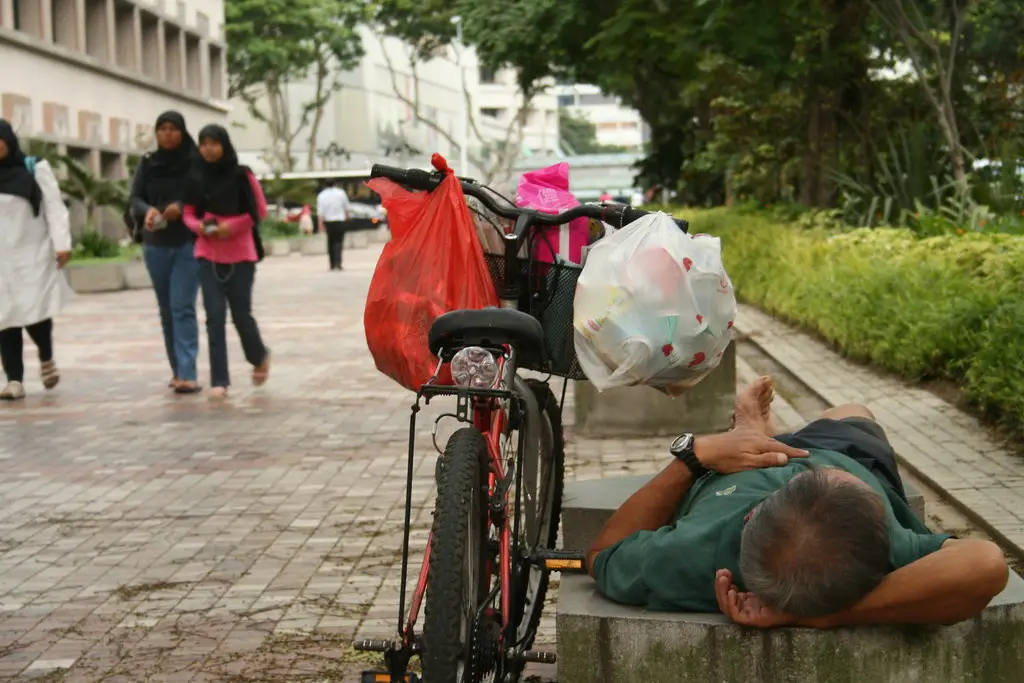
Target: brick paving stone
941, 444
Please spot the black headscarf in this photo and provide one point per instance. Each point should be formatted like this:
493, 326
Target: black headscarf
168, 163
222, 187
15, 178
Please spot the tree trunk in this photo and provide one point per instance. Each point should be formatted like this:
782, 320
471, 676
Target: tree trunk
318, 113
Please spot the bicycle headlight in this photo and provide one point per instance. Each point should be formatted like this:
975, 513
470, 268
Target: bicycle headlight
474, 368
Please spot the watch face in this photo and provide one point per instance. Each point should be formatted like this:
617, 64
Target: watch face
681, 443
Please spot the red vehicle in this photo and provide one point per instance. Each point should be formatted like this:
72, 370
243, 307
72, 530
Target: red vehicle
499, 482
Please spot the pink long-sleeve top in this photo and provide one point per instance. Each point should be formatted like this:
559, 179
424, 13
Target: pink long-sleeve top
239, 246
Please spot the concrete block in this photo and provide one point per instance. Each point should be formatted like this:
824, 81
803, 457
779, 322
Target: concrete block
315, 245
587, 505
357, 239
136, 275
381, 235
603, 642
279, 247
642, 411
96, 277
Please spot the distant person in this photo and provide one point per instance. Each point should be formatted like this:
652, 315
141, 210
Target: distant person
224, 206
333, 208
35, 243
158, 195
306, 220
606, 197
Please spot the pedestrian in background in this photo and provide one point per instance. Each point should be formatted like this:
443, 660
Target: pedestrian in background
35, 243
224, 207
333, 208
158, 199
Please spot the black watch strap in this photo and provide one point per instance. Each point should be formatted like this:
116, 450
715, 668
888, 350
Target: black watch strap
682, 449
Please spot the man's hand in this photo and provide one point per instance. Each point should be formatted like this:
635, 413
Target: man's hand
62, 258
151, 216
746, 609
172, 212
743, 449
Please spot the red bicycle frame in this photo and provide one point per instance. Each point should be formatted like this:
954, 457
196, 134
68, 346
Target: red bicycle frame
491, 420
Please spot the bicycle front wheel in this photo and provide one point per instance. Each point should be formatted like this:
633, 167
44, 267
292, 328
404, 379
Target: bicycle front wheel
455, 650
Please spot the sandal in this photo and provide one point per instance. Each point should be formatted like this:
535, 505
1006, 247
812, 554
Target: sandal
261, 373
173, 384
217, 393
187, 387
49, 373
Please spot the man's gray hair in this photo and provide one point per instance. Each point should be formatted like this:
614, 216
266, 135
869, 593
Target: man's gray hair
816, 546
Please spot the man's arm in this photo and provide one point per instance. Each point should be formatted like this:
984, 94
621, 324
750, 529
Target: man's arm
952, 584
653, 506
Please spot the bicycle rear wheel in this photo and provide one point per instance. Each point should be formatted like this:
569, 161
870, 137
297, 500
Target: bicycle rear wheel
544, 471
458, 582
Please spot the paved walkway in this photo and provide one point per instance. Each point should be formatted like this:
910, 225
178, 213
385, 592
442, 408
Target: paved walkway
941, 444
147, 537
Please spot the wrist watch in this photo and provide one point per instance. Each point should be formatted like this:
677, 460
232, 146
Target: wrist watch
682, 449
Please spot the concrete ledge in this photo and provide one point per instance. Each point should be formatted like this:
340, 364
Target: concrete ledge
96, 277
315, 245
279, 247
359, 239
602, 642
136, 275
587, 505
642, 411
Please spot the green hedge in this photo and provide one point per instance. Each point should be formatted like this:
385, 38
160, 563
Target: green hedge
947, 307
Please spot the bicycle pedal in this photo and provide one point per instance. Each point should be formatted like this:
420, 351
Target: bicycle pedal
540, 657
385, 677
568, 561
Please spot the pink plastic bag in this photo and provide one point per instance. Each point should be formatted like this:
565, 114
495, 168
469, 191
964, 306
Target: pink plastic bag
547, 190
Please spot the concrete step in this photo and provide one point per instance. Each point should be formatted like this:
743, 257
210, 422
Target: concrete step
603, 642
587, 505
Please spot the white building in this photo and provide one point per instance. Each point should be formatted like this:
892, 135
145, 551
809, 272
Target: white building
93, 75
499, 101
616, 124
373, 124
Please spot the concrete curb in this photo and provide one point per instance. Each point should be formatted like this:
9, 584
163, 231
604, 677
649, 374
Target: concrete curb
943, 492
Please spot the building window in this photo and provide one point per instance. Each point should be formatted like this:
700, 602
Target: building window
487, 76
193, 64
216, 72
182, 12
65, 24
591, 100
566, 100
174, 55
124, 14
28, 17
203, 24
97, 39
493, 112
150, 45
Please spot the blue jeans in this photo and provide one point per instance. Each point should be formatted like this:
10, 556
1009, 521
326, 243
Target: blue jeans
175, 275
229, 287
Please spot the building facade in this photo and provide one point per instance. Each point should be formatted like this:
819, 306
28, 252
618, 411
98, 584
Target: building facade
91, 76
617, 125
373, 117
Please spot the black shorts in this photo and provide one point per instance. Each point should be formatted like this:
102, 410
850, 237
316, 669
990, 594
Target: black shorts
859, 438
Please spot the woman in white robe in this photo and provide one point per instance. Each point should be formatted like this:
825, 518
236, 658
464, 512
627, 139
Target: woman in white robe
35, 243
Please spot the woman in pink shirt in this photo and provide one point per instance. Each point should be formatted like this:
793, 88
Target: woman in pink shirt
224, 206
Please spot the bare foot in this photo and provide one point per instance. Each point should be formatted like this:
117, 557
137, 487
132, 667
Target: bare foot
217, 394
754, 406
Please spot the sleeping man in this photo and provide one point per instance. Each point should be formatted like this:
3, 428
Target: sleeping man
810, 528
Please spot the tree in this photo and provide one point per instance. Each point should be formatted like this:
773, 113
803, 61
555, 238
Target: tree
579, 136
275, 43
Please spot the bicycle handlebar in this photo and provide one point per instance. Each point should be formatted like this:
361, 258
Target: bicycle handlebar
418, 179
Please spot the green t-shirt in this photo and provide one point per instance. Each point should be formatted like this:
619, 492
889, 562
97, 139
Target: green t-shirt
673, 568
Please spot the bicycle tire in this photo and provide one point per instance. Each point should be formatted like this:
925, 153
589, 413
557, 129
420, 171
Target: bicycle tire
530, 608
458, 545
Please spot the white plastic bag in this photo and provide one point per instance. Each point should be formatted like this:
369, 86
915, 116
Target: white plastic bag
653, 306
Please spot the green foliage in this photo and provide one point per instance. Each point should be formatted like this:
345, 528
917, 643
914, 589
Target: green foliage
273, 228
579, 135
947, 307
93, 245
93, 191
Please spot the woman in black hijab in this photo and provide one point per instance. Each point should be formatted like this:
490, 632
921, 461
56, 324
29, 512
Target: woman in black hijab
157, 202
35, 243
224, 207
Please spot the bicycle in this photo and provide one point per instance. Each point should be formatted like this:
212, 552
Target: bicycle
488, 559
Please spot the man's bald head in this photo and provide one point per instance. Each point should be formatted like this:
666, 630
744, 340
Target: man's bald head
816, 546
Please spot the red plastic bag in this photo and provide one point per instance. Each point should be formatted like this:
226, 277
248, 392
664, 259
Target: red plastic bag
433, 264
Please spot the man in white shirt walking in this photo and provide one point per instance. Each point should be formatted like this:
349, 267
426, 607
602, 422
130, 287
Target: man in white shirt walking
332, 208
